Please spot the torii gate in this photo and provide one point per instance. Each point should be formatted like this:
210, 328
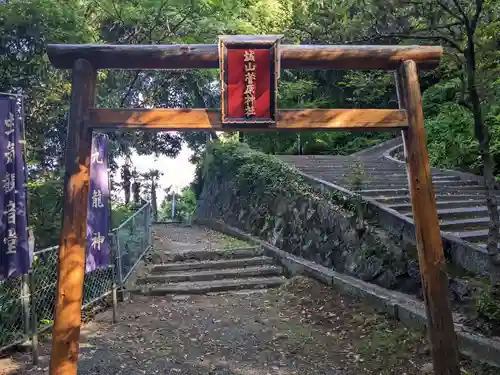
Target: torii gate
246, 108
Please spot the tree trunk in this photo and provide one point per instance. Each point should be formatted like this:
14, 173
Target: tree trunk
136, 191
153, 201
126, 189
483, 136
126, 182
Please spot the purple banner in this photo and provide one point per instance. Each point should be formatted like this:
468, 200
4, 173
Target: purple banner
98, 249
15, 255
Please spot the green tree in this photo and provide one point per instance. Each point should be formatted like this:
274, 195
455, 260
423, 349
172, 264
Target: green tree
185, 205
152, 176
467, 28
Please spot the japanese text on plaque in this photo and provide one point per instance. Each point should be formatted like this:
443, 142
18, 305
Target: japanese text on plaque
249, 62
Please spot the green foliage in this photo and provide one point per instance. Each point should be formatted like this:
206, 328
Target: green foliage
451, 142
450, 137
45, 207
488, 308
306, 90
357, 175
255, 172
119, 213
357, 178
11, 311
28, 26
185, 205
259, 174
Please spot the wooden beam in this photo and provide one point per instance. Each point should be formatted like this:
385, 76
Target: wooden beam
71, 265
194, 56
428, 236
210, 120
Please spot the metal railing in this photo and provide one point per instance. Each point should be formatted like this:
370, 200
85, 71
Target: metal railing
27, 303
131, 239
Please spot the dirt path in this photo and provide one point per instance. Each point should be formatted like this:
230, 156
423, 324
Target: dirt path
303, 328
172, 238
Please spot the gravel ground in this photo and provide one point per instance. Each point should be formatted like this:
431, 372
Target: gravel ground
261, 333
302, 328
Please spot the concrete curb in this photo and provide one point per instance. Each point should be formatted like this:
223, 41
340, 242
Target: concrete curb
409, 311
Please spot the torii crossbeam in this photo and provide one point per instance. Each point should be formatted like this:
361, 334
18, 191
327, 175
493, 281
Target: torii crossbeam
255, 111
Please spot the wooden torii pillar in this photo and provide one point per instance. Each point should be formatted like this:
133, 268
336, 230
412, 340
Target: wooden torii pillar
85, 60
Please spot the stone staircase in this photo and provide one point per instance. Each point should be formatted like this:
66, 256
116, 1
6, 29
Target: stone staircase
206, 271
459, 196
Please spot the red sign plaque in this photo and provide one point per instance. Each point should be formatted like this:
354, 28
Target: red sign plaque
249, 77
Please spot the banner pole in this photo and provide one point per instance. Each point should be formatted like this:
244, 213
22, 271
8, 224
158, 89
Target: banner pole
34, 320
112, 249
28, 279
25, 278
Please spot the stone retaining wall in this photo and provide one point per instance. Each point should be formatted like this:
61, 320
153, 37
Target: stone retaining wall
263, 196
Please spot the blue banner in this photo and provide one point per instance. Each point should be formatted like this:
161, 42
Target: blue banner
15, 254
98, 249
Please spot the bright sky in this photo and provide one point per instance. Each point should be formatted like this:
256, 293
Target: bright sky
178, 172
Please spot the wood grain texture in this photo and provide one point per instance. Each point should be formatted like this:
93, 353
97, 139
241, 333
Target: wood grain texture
428, 237
210, 120
71, 265
193, 56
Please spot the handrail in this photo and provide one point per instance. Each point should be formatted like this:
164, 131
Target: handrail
44, 250
131, 217
41, 251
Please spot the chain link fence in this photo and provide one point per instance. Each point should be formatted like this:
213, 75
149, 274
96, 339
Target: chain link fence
11, 311
131, 238
27, 303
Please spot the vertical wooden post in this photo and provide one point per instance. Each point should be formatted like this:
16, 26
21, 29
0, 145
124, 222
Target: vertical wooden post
399, 94
428, 237
71, 265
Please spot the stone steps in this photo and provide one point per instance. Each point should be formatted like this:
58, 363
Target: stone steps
484, 245
212, 264
375, 180
473, 235
439, 184
211, 274
399, 174
204, 287
212, 254
399, 199
347, 172
205, 271
460, 197
437, 189
462, 212
465, 224
406, 208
